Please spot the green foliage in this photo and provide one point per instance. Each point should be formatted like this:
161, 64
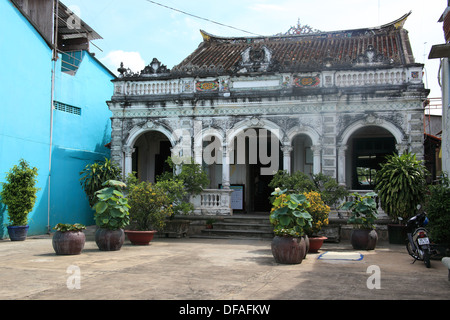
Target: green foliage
330, 191
64, 227
111, 208
94, 175
299, 182
191, 174
438, 211
177, 194
19, 192
363, 210
289, 214
401, 185
150, 206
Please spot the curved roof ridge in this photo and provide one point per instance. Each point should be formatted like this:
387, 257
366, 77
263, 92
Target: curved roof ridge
397, 24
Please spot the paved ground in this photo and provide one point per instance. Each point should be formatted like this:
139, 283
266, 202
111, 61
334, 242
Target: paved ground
199, 269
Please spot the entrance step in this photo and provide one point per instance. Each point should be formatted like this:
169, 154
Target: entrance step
240, 227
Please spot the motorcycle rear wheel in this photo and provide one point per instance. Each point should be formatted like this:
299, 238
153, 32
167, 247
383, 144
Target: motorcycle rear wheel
426, 259
411, 251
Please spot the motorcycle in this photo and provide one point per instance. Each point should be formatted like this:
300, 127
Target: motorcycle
418, 245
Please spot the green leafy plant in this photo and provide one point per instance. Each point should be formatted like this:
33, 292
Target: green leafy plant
150, 206
95, 174
111, 208
401, 185
289, 214
19, 192
438, 211
298, 182
65, 227
363, 210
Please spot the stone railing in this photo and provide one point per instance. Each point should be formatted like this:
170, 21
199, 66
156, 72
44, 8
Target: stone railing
223, 85
369, 78
381, 213
213, 202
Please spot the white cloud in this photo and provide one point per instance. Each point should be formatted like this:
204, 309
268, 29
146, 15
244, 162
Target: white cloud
132, 60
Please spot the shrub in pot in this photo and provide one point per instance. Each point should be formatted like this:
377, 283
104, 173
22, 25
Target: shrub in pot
19, 196
150, 206
401, 186
111, 216
290, 219
319, 212
69, 239
363, 213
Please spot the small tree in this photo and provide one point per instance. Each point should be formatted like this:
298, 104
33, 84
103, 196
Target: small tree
95, 174
19, 192
401, 185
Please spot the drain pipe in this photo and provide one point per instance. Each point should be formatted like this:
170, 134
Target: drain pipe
54, 59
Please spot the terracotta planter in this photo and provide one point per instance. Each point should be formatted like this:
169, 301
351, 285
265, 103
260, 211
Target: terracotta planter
315, 243
109, 240
364, 239
69, 242
288, 250
140, 238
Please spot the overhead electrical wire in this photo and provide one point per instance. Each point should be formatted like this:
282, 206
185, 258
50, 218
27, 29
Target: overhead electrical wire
198, 17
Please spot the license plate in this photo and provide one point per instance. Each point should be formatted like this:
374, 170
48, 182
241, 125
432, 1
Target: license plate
423, 241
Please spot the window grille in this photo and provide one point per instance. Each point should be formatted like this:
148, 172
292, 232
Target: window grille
67, 108
70, 61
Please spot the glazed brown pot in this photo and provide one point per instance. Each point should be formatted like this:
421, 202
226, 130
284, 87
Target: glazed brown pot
69, 242
288, 250
109, 240
364, 239
140, 238
315, 243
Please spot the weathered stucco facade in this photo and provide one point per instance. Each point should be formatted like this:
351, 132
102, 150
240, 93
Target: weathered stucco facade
333, 102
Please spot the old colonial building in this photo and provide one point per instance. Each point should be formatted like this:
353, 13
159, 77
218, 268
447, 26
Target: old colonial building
333, 102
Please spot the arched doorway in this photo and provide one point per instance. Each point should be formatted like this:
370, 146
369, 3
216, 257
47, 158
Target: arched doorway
151, 150
302, 154
368, 148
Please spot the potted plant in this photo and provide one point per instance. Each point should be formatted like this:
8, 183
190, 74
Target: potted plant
150, 206
111, 216
69, 239
401, 186
319, 212
363, 213
19, 196
95, 174
290, 219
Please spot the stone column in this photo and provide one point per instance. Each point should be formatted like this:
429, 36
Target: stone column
128, 165
317, 159
341, 164
225, 167
287, 158
401, 148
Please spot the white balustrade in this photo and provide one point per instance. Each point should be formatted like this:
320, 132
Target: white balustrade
370, 78
213, 202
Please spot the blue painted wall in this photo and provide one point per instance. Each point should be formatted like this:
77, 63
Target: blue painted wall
25, 88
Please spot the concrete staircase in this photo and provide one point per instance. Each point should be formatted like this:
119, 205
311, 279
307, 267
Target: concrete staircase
240, 227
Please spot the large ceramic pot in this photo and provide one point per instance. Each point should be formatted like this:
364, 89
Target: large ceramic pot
109, 240
288, 250
68, 242
315, 243
364, 239
306, 245
140, 238
18, 233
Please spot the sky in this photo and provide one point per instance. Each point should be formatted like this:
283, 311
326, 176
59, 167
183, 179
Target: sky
136, 31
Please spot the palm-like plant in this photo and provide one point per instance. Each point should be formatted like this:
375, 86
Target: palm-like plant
401, 185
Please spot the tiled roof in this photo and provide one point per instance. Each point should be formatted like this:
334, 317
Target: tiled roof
384, 45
